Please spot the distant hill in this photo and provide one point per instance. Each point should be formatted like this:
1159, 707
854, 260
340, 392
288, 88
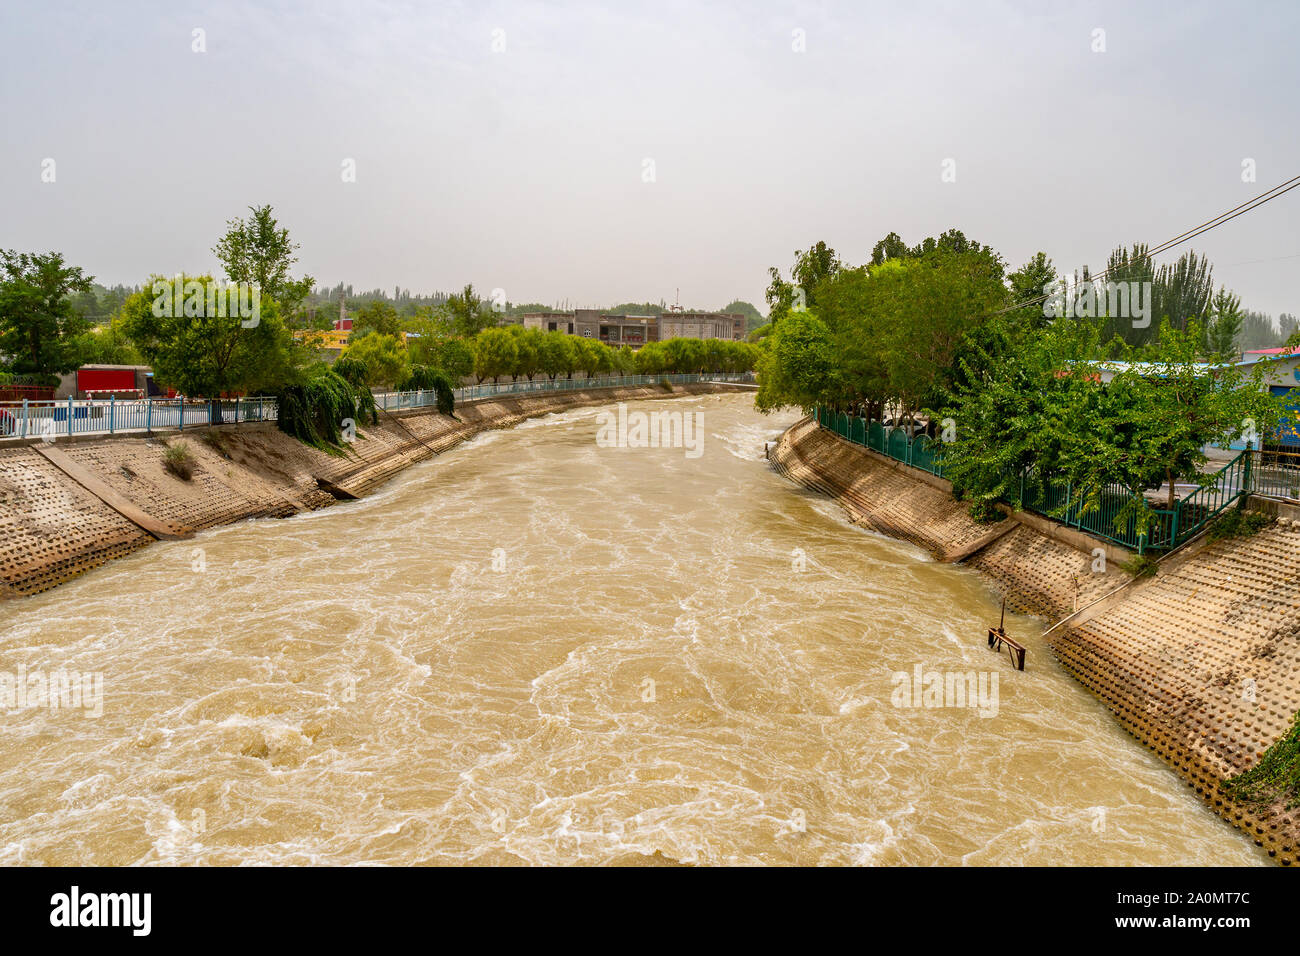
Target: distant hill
753, 318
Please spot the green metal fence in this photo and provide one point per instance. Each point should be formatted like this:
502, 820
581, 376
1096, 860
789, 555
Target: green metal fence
1111, 511
1275, 473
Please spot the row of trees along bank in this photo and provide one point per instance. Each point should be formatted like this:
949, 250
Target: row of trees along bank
205, 355
935, 333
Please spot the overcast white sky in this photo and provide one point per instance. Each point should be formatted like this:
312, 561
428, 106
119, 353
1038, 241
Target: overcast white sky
523, 169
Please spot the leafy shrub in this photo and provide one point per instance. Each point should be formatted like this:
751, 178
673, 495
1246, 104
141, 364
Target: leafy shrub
1141, 565
1238, 523
985, 511
1277, 775
179, 460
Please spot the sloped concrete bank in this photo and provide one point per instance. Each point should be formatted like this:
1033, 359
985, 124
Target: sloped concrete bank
1201, 663
74, 505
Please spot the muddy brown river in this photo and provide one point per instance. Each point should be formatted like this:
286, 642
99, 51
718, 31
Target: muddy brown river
541, 649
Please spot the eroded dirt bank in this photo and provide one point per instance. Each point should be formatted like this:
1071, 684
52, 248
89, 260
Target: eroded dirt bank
1201, 663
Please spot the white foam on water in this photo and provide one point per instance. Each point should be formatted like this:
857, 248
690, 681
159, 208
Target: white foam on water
647, 679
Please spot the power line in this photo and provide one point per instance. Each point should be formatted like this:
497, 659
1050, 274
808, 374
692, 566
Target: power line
1182, 237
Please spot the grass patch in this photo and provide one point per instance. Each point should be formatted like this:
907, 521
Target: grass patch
1276, 776
179, 460
1141, 565
1237, 523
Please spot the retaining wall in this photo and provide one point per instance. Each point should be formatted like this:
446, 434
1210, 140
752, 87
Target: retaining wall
53, 528
1201, 662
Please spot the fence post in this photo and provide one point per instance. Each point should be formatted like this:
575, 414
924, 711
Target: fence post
112, 407
24, 418
69, 416
181, 405
148, 414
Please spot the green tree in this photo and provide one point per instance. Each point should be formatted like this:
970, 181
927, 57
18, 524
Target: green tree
891, 247
207, 355
108, 345
376, 316
593, 357
39, 323
795, 364
1223, 326
555, 354
528, 344
495, 354
1046, 414
426, 379
447, 352
384, 356
811, 266
258, 251
469, 313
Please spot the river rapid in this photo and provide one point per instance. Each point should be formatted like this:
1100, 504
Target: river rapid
539, 649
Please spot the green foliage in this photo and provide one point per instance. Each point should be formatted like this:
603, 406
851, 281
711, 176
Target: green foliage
426, 379
1141, 566
753, 318
107, 345
469, 313
1180, 292
1239, 523
811, 267
40, 328
179, 460
888, 334
1046, 410
1275, 777
376, 316
795, 365
1223, 326
984, 511
314, 411
435, 347
495, 353
528, 351
384, 357
208, 354
259, 252
555, 354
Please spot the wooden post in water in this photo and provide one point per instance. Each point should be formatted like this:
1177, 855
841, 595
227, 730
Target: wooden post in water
998, 639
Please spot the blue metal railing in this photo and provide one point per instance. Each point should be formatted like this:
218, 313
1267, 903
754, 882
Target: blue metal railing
68, 417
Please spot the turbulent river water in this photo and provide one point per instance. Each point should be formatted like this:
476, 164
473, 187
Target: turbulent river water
536, 649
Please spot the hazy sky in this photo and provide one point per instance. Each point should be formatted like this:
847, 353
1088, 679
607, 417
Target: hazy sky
524, 168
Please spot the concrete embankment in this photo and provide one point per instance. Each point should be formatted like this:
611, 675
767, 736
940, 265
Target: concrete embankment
71, 506
1200, 662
